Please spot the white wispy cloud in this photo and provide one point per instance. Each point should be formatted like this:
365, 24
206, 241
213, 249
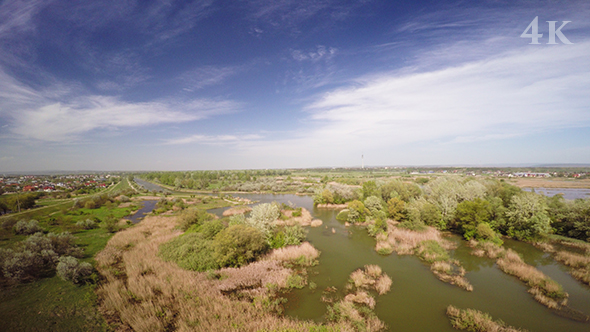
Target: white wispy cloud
321, 52
59, 115
213, 139
520, 92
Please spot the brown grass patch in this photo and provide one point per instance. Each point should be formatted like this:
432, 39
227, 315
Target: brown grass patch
383, 284
316, 223
361, 297
143, 293
475, 320
303, 220
237, 210
573, 260
304, 253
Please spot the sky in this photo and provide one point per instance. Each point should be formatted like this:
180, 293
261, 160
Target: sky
194, 85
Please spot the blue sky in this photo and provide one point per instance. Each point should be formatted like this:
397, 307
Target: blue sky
181, 85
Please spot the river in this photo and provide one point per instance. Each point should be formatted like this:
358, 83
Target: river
417, 300
568, 193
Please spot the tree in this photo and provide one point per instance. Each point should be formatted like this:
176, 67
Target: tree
527, 216
370, 189
396, 208
238, 245
357, 212
263, 216
469, 214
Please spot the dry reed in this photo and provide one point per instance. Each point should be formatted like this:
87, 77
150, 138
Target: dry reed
475, 320
305, 253
303, 220
316, 223
544, 289
383, 284
430, 246
143, 293
236, 210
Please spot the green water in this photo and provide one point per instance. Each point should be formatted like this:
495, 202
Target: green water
418, 300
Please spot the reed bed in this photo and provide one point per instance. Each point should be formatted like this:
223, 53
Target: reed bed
580, 264
303, 220
475, 320
429, 246
544, 289
237, 210
305, 253
355, 310
141, 292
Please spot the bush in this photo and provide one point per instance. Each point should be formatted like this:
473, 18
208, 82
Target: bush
111, 224
8, 223
190, 251
210, 228
357, 212
287, 236
238, 245
342, 215
193, 216
70, 269
124, 199
27, 227
89, 204
87, 224
263, 216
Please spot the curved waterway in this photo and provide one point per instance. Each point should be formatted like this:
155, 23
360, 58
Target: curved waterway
146, 207
418, 300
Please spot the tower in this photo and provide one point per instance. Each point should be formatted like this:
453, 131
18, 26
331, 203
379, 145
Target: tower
362, 161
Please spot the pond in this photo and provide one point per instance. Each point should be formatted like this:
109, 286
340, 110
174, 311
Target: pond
146, 207
568, 193
418, 300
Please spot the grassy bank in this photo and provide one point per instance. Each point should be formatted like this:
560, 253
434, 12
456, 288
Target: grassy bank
474, 320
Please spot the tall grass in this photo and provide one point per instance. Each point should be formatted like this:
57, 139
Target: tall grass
475, 320
580, 264
141, 292
430, 247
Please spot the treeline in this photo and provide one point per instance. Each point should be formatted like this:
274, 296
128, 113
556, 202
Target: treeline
471, 207
248, 180
12, 203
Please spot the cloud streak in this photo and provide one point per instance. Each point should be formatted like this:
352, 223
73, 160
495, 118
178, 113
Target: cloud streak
56, 116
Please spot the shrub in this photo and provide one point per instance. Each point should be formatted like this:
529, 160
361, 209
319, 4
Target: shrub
237, 219
27, 227
111, 224
342, 215
193, 216
90, 204
8, 223
373, 204
70, 269
190, 251
357, 212
263, 216
124, 199
210, 228
87, 224
238, 245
